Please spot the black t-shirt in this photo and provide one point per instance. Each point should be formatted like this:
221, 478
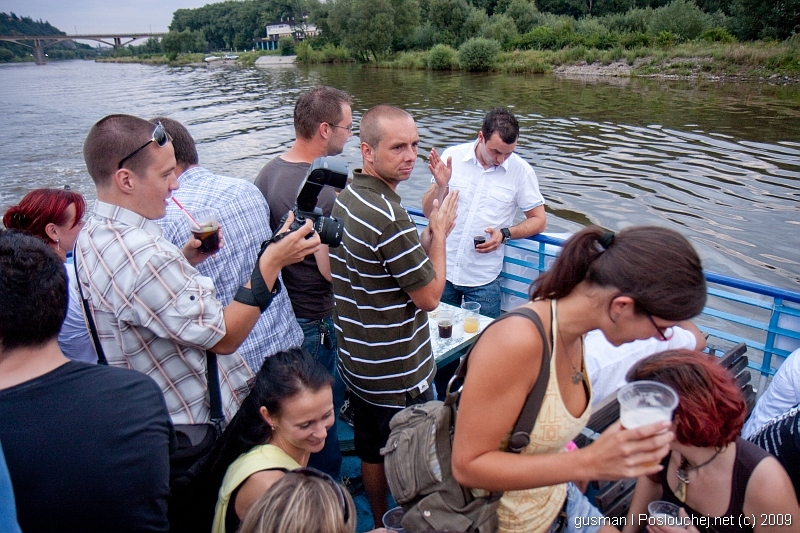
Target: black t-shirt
87, 447
310, 293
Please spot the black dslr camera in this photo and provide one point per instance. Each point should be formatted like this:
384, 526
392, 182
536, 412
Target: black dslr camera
324, 171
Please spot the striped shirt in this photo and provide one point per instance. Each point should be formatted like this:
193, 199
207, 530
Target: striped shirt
384, 343
155, 313
244, 217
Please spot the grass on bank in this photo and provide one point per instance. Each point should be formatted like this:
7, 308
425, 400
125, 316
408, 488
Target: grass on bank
693, 58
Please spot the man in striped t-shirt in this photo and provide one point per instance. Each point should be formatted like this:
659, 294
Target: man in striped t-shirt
385, 279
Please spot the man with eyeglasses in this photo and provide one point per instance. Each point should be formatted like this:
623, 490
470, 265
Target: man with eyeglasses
243, 214
154, 312
323, 122
493, 183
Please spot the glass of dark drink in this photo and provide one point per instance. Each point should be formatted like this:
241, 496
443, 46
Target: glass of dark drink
479, 239
444, 319
208, 230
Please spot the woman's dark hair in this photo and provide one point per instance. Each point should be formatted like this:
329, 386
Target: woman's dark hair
655, 266
281, 376
711, 409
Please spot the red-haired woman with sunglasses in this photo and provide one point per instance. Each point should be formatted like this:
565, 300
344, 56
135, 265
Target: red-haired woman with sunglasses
724, 483
56, 217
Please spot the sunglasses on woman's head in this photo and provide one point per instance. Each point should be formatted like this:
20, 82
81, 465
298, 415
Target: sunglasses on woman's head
313, 472
160, 137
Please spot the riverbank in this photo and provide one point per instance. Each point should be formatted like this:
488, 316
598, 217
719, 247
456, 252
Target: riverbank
774, 63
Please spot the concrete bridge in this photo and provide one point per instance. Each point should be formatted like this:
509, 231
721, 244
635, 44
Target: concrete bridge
40, 42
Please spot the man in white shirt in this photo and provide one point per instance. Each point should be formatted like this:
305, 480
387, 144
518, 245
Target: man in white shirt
782, 394
608, 364
493, 182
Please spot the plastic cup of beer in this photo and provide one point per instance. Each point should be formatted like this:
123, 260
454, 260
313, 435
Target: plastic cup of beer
471, 314
664, 514
392, 519
444, 319
208, 230
645, 402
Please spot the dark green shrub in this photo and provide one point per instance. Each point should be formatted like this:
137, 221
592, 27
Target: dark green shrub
539, 38
681, 17
718, 35
602, 40
172, 56
286, 45
635, 40
478, 54
632, 21
666, 38
442, 57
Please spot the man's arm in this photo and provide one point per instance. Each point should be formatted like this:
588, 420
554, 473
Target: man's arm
441, 223
442, 172
323, 261
535, 222
240, 318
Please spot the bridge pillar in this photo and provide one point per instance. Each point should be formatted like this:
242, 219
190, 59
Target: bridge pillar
117, 43
38, 53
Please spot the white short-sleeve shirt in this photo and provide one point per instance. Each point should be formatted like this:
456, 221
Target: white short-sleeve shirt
487, 198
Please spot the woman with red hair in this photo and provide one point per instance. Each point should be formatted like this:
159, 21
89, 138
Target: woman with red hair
711, 472
56, 217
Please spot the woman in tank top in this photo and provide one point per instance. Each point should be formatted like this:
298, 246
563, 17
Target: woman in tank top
633, 285
725, 483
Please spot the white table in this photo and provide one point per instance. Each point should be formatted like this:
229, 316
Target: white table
447, 350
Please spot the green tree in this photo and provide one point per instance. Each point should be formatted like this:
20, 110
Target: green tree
758, 19
502, 29
476, 24
523, 13
371, 28
448, 18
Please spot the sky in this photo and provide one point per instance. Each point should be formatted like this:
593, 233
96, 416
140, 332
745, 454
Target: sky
101, 16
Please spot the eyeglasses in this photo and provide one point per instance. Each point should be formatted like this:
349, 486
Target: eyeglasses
313, 472
348, 128
664, 333
160, 137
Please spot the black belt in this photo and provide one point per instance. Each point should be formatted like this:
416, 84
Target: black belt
560, 522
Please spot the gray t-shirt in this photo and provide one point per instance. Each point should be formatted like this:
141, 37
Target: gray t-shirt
279, 181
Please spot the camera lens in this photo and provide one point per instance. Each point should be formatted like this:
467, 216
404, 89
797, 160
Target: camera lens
330, 230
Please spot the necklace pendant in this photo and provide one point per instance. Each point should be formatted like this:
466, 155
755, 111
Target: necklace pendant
577, 377
680, 490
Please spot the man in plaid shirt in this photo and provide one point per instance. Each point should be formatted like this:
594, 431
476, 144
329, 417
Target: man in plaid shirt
154, 312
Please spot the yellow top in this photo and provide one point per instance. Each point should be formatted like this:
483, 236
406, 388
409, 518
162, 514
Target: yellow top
263, 457
533, 510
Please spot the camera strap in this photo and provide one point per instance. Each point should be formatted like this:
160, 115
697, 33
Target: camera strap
258, 295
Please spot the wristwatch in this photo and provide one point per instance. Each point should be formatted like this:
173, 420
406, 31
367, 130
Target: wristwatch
506, 234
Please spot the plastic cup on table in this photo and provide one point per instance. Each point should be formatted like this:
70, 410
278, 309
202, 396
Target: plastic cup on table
471, 316
444, 319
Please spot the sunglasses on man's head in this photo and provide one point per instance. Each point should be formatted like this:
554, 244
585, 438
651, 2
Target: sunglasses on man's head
313, 472
160, 137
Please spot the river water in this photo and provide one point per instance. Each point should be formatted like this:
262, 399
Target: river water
718, 162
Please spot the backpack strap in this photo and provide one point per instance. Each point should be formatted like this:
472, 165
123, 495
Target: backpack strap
520, 435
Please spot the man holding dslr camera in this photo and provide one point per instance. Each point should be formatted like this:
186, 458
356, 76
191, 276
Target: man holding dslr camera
323, 122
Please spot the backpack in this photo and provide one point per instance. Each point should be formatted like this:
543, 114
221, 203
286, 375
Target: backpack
417, 455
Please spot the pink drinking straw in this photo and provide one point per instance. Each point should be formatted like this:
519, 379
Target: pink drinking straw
185, 212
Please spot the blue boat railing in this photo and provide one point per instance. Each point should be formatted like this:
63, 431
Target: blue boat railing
765, 318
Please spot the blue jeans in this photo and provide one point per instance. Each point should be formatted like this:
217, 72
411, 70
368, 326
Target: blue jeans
329, 459
582, 516
487, 295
